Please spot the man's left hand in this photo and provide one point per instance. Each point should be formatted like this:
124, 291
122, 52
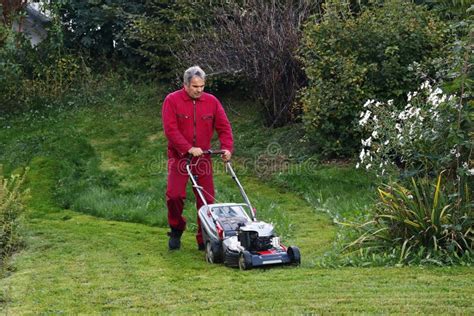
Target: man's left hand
226, 155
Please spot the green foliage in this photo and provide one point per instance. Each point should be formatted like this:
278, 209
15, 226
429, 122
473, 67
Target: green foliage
35, 77
96, 27
12, 73
143, 34
351, 58
428, 134
450, 9
157, 35
12, 197
424, 222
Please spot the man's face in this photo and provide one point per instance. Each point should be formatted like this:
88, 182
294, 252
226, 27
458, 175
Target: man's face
195, 87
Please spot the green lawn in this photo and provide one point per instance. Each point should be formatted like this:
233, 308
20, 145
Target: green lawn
96, 224
81, 264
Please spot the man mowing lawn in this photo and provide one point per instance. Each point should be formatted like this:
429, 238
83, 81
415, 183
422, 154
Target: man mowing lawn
190, 117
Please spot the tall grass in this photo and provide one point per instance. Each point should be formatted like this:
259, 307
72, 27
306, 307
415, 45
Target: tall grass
11, 210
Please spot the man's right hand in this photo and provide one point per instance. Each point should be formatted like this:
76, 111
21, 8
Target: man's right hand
195, 151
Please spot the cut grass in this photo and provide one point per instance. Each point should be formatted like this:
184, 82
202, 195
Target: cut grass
108, 161
81, 264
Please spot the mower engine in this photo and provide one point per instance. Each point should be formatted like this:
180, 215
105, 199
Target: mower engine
256, 236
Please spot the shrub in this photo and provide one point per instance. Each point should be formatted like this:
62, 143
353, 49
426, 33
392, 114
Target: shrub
11, 209
156, 36
350, 58
32, 77
96, 27
428, 136
11, 70
432, 133
256, 41
433, 129
420, 223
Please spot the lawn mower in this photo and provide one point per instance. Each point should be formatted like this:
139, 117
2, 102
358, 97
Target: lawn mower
233, 237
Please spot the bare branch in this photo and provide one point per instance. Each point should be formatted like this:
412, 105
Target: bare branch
257, 40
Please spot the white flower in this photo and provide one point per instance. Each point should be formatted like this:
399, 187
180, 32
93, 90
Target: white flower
434, 100
374, 134
464, 165
414, 112
403, 115
357, 166
452, 151
366, 117
390, 102
368, 102
362, 155
368, 166
367, 142
386, 142
443, 98
470, 172
425, 85
398, 127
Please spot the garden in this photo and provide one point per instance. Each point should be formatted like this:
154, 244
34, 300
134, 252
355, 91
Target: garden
353, 131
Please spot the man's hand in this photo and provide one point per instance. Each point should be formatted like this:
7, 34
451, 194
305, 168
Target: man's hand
226, 155
195, 151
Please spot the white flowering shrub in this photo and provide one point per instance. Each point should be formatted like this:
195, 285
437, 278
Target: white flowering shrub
433, 132
430, 217
421, 146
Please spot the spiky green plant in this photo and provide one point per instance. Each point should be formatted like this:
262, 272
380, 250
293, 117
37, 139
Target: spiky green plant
424, 220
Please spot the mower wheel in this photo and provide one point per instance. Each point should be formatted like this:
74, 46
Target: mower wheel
295, 256
212, 253
245, 260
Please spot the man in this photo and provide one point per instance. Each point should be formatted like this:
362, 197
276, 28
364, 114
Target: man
190, 117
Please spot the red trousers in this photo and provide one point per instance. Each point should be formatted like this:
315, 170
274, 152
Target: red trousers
176, 190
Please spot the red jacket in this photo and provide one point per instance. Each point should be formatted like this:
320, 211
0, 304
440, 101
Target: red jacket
191, 123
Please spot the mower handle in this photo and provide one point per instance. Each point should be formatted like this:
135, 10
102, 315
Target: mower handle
213, 152
206, 152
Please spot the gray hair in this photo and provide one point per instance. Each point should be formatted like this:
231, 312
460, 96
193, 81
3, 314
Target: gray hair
191, 72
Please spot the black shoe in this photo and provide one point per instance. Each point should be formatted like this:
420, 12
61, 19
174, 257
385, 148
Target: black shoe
201, 247
174, 243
